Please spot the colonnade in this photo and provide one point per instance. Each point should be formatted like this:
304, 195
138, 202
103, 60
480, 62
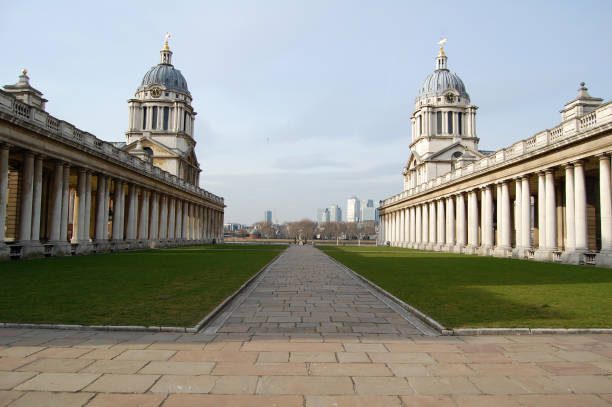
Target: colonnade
550, 215
50, 207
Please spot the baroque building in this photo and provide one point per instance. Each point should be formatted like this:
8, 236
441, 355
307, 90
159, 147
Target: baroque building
547, 197
64, 191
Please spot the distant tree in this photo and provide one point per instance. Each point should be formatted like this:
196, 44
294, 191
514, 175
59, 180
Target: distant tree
266, 228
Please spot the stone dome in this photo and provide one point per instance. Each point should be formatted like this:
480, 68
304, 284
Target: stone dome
166, 75
442, 80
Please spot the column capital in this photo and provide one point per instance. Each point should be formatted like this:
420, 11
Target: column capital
603, 156
549, 170
568, 165
5, 146
578, 163
524, 177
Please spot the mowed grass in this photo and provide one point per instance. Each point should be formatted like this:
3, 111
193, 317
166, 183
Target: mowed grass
167, 287
462, 291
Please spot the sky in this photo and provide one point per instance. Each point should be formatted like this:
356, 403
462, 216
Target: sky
303, 104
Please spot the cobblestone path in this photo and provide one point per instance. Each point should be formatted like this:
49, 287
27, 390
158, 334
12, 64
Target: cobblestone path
305, 292
306, 335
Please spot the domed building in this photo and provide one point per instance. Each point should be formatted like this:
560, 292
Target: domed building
161, 121
443, 127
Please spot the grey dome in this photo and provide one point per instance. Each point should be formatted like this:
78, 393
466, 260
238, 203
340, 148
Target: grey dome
166, 75
441, 80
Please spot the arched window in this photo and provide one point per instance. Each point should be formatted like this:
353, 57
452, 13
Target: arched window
149, 151
456, 155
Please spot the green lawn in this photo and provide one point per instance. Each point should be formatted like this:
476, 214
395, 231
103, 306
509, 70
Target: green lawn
461, 291
167, 287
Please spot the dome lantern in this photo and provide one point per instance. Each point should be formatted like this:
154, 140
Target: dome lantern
166, 54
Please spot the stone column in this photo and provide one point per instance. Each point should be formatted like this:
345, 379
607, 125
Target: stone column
581, 207
143, 218
107, 187
570, 223
36, 199
178, 222
132, 217
55, 204
401, 227
525, 213
425, 225
606, 203
483, 218
517, 214
78, 221
87, 218
116, 229
441, 235
551, 211
490, 232
4, 158
498, 214
27, 188
412, 226
100, 201
450, 222
505, 217
419, 226
461, 222
542, 210
163, 218
65, 205
432, 225
172, 220
472, 220
154, 218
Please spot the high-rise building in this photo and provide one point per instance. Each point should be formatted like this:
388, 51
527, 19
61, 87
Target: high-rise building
335, 213
353, 212
368, 211
322, 215
268, 217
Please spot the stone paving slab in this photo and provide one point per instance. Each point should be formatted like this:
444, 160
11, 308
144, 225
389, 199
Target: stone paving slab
315, 364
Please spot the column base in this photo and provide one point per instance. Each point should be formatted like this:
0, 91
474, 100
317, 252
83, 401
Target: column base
438, 247
501, 251
83, 248
573, 257
604, 259
60, 248
5, 252
429, 246
471, 249
118, 245
544, 254
32, 250
101, 246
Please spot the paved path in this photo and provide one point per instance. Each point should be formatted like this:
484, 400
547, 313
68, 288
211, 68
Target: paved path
353, 351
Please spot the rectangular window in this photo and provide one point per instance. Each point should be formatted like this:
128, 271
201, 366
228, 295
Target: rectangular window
439, 122
154, 124
185, 121
460, 123
166, 117
449, 115
144, 118
420, 124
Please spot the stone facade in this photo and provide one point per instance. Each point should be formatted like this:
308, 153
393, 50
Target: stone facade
64, 191
547, 197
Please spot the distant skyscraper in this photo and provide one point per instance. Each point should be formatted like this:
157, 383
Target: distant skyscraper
368, 211
322, 215
353, 211
268, 217
335, 213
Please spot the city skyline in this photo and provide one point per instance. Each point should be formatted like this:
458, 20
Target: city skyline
274, 83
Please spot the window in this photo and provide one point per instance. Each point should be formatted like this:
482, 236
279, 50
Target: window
460, 123
149, 151
144, 118
154, 124
449, 116
185, 121
166, 117
439, 122
420, 124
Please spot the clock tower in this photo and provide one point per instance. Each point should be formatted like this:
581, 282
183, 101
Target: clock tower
161, 121
443, 126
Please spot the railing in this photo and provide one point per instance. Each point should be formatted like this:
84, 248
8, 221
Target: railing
541, 141
590, 258
9, 104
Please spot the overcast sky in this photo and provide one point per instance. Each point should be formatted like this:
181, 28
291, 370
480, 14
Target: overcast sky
302, 104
